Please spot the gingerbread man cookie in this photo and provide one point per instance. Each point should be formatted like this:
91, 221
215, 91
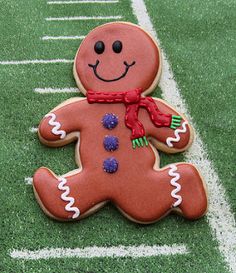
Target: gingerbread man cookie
118, 130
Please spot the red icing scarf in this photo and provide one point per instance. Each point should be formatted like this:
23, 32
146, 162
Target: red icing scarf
133, 101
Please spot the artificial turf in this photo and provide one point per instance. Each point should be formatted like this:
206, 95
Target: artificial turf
199, 39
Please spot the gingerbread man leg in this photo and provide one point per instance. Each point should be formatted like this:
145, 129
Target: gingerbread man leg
71, 196
177, 187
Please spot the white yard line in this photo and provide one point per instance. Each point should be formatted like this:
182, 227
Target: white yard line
95, 251
78, 18
33, 130
220, 216
46, 38
28, 180
82, 2
36, 62
56, 90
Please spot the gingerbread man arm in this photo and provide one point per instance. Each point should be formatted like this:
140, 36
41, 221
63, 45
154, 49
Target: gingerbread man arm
167, 139
62, 124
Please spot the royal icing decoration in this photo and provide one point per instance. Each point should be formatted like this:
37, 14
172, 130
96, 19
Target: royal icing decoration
65, 197
133, 100
56, 126
110, 143
173, 182
110, 165
109, 121
182, 130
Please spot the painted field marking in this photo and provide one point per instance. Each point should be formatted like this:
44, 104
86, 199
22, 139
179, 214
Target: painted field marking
78, 18
56, 90
95, 251
28, 180
82, 2
219, 216
46, 38
33, 130
55, 61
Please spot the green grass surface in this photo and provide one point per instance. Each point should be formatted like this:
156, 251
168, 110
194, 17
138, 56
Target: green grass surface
198, 38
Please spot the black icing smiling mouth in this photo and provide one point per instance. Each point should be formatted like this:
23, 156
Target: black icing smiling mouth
94, 67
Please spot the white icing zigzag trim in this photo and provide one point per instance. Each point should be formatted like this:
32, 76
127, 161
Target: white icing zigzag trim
177, 137
66, 198
56, 125
173, 182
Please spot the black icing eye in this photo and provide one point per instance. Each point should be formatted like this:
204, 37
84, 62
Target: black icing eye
99, 47
117, 46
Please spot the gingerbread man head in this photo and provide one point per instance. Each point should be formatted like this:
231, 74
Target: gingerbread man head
117, 57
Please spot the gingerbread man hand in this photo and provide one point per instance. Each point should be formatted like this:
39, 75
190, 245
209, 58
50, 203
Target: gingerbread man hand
116, 66
56, 129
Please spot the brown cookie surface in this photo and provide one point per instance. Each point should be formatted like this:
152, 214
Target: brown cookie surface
118, 130
136, 64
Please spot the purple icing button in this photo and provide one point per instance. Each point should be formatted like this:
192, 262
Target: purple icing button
111, 143
110, 165
109, 121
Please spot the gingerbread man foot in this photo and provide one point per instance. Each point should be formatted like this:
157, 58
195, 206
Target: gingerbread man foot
189, 191
176, 188
66, 197
55, 195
